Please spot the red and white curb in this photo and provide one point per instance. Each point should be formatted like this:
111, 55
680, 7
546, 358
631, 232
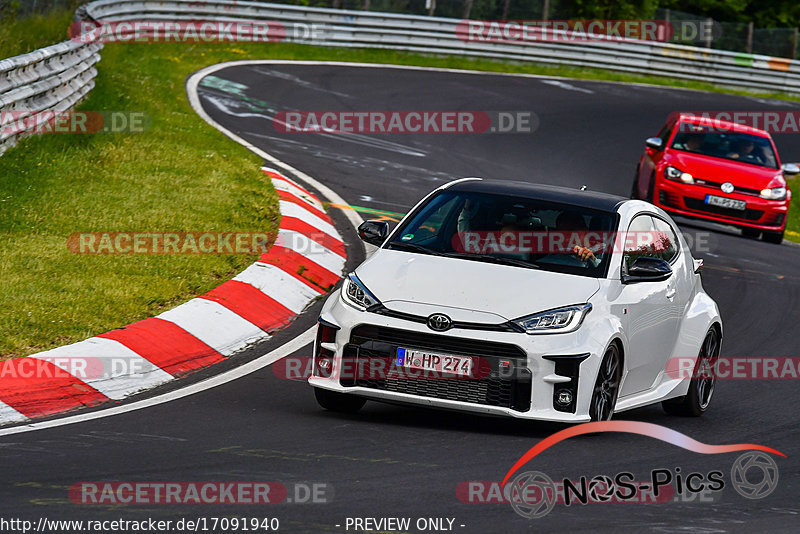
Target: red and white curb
307, 258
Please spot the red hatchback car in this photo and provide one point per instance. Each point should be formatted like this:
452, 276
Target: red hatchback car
717, 170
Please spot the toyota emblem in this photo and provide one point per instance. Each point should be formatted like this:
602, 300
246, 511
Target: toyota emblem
439, 322
727, 187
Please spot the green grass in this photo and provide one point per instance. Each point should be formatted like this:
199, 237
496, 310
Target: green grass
181, 175
23, 35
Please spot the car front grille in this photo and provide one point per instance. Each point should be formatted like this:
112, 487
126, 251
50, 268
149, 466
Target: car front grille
748, 214
505, 382
718, 185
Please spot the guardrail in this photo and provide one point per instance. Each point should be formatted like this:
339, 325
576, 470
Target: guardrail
59, 76
53, 78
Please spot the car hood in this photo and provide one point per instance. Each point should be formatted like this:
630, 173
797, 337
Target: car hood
468, 290
723, 170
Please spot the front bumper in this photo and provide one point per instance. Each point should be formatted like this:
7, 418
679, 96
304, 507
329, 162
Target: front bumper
689, 200
519, 377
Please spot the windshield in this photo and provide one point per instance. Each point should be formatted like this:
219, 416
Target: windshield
520, 232
735, 146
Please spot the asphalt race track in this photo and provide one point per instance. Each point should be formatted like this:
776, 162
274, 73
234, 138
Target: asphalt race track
391, 461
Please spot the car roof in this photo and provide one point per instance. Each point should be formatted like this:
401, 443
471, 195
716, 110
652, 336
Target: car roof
727, 125
551, 193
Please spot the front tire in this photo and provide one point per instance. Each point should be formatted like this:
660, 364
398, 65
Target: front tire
651, 188
775, 238
606, 387
635, 187
338, 402
704, 379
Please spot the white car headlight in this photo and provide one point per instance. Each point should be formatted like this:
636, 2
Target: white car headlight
355, 293
674, 173
776, 193
557, 321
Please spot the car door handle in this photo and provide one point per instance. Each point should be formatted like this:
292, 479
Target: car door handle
670, 293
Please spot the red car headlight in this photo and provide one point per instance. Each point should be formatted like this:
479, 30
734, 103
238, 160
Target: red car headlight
674, 173
774, 193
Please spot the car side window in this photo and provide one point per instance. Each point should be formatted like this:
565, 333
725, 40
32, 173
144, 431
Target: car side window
637, 240
665, 239
649, 236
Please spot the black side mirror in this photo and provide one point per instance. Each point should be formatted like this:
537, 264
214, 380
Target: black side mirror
656, 143
647, 269
373, 232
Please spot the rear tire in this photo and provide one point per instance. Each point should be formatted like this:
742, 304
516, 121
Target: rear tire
338, 402
773, 237
701, 386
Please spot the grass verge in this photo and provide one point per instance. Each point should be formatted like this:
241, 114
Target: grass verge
180, 175
26, 34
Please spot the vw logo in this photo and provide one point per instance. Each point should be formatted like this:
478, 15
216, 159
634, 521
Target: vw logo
439, 322
727, 187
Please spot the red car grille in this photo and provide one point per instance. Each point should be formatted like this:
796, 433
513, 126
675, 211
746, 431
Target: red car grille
737, 189
696, 204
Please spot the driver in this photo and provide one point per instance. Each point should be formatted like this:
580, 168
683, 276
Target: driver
693, 142
570, 221
745, 150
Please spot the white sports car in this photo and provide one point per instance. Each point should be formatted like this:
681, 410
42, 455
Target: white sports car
521, 300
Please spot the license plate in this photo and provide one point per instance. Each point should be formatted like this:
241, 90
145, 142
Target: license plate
424, 360
723, 202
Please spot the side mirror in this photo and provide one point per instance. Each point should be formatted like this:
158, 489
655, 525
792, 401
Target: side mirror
373, 232
647, 269
656, 143
790, 169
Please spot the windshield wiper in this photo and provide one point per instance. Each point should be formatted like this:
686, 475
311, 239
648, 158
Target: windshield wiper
493, 259
413, 247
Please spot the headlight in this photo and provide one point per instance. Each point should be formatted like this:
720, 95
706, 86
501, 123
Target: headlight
557, 321
674, 173
776, 193
355, 293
